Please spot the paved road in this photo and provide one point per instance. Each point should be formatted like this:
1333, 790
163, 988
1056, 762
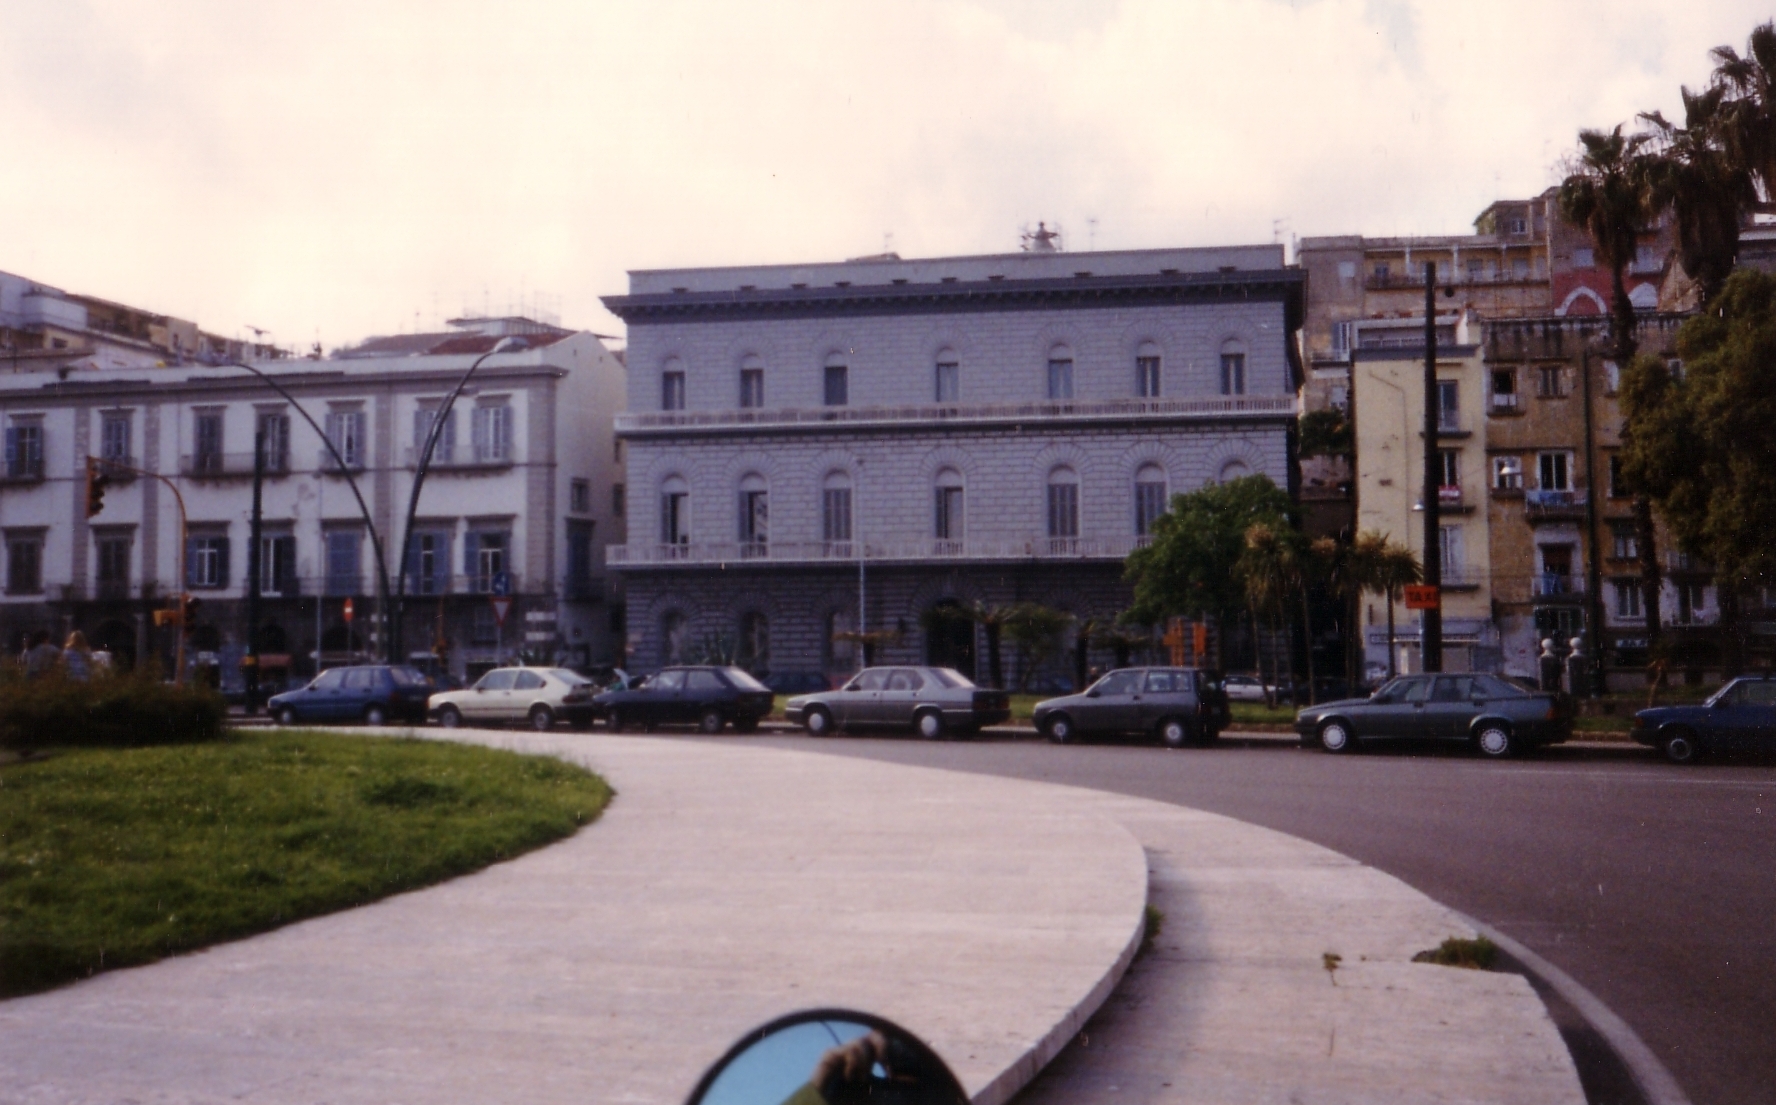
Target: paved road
1653, 886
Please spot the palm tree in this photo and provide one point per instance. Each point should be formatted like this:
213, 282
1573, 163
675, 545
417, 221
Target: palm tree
1355, 569
1708, 190
1270, 569
1395, 568
1748, 116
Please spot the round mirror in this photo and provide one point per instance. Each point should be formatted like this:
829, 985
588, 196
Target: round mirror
829, 1057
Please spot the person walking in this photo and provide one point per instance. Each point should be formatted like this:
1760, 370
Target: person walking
40, 659
77, 658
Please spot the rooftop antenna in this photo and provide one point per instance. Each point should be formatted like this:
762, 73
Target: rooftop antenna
887, 241
1042, 239
1091, 233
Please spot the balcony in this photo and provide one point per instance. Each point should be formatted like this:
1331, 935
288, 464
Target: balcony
1505, 403
1115, 411
1549, 506
929, 550
230, 466
324, 462
1402, 281
1555, 585
459, 459
1449, 501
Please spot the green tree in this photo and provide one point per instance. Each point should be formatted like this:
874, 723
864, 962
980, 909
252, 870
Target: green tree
1747, 126
1394, 568
1703, 447
1188, 569
1273, 569
1326, 433
1035, 634
1708, 190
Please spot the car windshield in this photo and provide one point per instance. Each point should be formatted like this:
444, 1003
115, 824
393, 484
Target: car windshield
952, 678
571, 678
743, 680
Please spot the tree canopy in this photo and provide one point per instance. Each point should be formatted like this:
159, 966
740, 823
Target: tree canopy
1190, 568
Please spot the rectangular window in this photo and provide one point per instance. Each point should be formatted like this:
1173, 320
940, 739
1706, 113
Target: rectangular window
675, 518
1507, 473
428, 563
24, 450
113, 568
345, 430
579, 560
491, 428
114, 438
1691, 598
1060, 378
343, 550
206, 561
949, 382
272, 428
1233, 374
1381, 272
277, 565
1625, 542
1449, 468
444, 450
947, 522
1550, 382
24, 566
1520, 268
837, 386
619, 503
207, 442
672, 391
1063, 510
1618, 485
1150, 503
1584, 258
752, 387
1476, 271
1552, 472
1627, 598
1147, 377
835, 514
1449, 544
1448, 405
486, 559
1504, 390
755, 517
579, 496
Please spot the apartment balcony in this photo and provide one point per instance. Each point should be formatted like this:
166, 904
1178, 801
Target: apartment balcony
457, 460
1449, 501
1504, 404
1555, 506
324, 462
1461, 278
930, 550
230, 466
1551, 585
911, 416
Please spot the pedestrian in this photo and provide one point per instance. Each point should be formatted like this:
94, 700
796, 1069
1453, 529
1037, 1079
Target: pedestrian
77, 659
40, 659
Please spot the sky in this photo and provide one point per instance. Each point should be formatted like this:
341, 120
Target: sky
331, 169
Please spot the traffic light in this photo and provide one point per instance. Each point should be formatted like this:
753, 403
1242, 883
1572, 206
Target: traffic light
97, 480
188, 613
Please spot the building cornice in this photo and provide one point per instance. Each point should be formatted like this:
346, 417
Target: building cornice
95, 387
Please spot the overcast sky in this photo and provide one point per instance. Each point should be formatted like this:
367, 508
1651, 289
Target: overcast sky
329, 169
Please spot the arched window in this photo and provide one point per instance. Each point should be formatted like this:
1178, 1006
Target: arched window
1063, 506
1233, 367
672, 386
675, 515
947, 520
835, 513
949, 376
1060, 372
752, 382
1147, 371
1234, 470
674, 637
837, 381
754, 653
755, 513
1150, 498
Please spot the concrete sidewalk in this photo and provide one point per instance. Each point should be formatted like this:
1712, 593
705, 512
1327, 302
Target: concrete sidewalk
725, 886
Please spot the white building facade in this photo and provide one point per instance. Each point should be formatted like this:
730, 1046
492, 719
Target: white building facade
994, 429
519, 498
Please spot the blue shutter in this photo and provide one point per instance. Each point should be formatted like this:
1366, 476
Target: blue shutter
221, 561
12, 462
471, 555
190, 563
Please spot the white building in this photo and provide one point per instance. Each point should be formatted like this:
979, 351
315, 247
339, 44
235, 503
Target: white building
995, 428
520, 491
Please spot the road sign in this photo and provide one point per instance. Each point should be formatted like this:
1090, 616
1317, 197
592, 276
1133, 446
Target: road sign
502, 584
1420, 597
348, 611
501, 604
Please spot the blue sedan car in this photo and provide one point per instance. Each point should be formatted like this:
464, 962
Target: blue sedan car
1741, 716
375, 694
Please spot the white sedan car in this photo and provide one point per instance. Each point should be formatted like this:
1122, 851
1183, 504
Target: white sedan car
1249, 688
538, 697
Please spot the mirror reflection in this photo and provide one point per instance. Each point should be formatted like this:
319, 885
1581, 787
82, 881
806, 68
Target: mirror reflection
829, 1057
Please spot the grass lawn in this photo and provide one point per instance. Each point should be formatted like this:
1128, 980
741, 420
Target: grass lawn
110, 858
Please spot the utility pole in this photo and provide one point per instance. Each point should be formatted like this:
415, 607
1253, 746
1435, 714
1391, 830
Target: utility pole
253, 569
1431, 620
1594, 566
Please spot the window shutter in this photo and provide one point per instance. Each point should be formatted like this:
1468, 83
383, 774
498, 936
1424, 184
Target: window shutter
471, 552
221, 561
422, 425
190, 564
12, 463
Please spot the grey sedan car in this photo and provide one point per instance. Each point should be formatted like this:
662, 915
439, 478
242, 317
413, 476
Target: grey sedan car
933, 701
1494, 715
1176, 705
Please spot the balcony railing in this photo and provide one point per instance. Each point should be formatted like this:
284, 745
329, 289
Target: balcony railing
460, 458
1504, 403
1380, 282
215, 466
354, 462
839, 552
1553, 585
1209, 407
1555, 504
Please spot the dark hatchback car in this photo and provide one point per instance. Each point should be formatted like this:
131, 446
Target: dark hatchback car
707, 697
375, 694
1740, 717
1496, 716
1176, 705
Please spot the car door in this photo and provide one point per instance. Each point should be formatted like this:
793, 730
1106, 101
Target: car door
663, 701
1761, 698
1449, 708
704, 689
1398, 712
1109, 706
322, 701
894, 705
527, 690
856, 704
1165, 693
488, 701
1735, 717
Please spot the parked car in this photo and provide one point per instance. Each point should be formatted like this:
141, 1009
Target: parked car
1249, 688
1496, 716
1175, 705
707, 697
1741, 716
375, 694
797, 682
932, 701
538, 697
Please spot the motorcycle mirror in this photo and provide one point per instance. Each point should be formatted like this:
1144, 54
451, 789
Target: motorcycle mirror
829, 1057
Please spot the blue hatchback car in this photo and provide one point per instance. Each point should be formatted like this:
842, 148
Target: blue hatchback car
1741, 716
375, 694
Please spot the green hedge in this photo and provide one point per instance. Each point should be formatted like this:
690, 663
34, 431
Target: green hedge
112, 710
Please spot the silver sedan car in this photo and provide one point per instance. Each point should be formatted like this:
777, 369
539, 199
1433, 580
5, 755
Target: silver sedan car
932, 701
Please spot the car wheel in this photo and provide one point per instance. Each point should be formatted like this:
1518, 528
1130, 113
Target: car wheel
1059, 728
1335, 736
818, 723
375, 715
1680, 746
1173, 733
542, 718
450, 717
711, 722
1495, 742
930, 725
287, 716
614, 722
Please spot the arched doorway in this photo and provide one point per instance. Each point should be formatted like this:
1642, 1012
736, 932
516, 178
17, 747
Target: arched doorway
119, 639
949, 637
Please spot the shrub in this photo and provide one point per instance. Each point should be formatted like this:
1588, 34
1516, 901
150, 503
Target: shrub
1479, 954
112, 710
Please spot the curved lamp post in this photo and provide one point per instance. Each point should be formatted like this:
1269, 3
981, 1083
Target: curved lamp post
419, 474
382, 578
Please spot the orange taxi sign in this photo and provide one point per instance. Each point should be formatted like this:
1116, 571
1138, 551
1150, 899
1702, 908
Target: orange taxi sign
1422, 597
